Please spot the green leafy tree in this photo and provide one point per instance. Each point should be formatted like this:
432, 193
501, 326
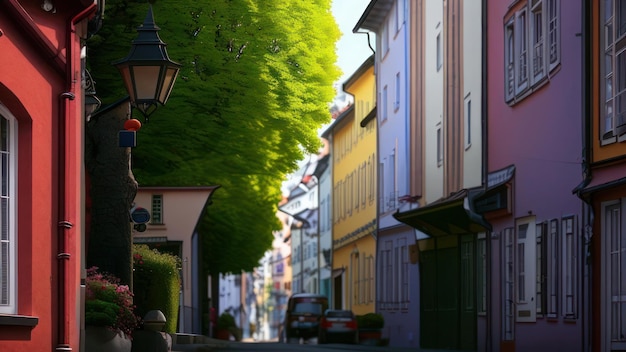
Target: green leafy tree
255, 87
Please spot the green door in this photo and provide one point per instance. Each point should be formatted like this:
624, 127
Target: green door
447, 288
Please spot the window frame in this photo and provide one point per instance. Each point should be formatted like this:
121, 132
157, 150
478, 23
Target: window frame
521, 52
521, 49
508, 284
396, 102
569, 264
384, 103
553, 270
439, 51
612, 226
481, 274
8, 194
612, 129
537, 41
525, 269
468, 121
156, 209
440, 144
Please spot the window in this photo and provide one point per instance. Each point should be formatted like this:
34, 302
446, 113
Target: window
570, 258
509, 59
532, 47
381, 186
397, 15
383, 104
8, 217
157, 209
384, 40
371, 269
481, 273
403, 272
541, 274
439, 145
521, 74
613, 70
439, 52
468, 121
554, 33
552, 280
537, 53
391, 180
508, 309
371, 186
396, 102
385, 282
525, 260
613, 280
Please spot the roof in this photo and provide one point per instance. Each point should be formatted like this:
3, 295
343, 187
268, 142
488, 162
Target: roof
374, 16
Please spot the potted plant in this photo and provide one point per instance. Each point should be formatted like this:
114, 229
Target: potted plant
225, 326
370, 327
109, 313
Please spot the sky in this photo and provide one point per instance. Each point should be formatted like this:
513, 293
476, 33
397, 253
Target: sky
352, 49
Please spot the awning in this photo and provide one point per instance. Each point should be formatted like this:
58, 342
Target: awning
602, 179
338, 272
448, 216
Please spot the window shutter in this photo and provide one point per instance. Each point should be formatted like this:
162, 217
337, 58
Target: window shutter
526, 270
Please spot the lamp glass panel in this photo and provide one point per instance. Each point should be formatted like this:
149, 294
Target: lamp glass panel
146, 81
168, 84
125, 72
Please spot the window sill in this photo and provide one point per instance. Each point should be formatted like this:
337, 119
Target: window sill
18, 320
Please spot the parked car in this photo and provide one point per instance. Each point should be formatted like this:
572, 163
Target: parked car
338, 325
302, 316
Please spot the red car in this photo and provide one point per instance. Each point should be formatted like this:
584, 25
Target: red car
338, 325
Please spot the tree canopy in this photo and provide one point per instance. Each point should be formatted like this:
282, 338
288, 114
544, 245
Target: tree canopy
255, 87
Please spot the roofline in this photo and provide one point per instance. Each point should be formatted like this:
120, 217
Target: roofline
365, 22
366, 65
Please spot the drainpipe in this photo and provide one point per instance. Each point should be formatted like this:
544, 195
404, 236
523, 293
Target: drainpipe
587, 207
485, 167
66, 190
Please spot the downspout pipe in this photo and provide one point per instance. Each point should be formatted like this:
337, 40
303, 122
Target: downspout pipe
587, 206
67, 252
485, 163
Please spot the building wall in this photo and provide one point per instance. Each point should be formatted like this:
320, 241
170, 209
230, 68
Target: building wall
353, 152
522, 132
181, 209
433, 101
604, 187
326, 237
471, 98
26, 67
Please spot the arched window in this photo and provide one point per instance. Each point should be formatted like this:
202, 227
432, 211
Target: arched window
8, 223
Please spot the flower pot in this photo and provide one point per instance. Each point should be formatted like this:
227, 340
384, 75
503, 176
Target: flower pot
103, 339
222, 334
370, 336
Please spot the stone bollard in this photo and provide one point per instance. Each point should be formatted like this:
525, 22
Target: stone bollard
152, 338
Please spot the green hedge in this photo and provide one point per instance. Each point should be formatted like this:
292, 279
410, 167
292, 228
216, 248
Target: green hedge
156, 283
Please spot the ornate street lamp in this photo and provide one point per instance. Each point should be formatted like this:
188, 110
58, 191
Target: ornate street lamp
147, 71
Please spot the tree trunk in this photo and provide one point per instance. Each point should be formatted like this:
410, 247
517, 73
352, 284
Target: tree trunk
111, 193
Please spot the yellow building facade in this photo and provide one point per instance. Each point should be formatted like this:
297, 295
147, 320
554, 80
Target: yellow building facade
354, 165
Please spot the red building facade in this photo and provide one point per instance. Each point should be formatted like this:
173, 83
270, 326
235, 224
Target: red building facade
42, 178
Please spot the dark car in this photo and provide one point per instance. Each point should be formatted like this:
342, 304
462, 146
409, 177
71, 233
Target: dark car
338, 325
302, 316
